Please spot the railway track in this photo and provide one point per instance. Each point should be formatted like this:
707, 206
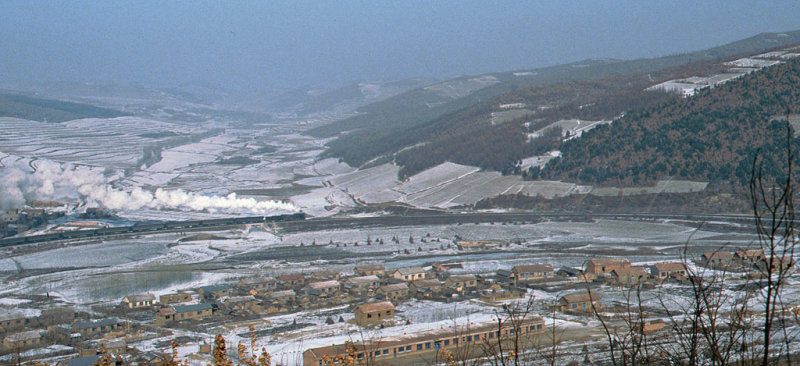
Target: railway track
149, 227
298, 222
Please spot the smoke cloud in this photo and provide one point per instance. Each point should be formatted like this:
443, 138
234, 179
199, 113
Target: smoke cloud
52, 181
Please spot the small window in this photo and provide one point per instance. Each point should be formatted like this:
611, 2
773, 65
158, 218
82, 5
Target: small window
446, 342
491, 335
539, 326
469, 338
408, 348
427, 345
377, 353
419, 347
386, 351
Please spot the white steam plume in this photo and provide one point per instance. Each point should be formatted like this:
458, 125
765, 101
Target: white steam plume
51, 181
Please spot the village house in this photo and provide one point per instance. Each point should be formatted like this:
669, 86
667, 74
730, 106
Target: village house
246, 303
630, 276
362, 286
150, 358
423, 347
215, 291
291, 281
748, 257
82, 361
22, 341
114, 347
650, 326
164, 315
175, 298
606, 265
100, 327
504, 276
575, 274
370, 270
777, 263
138, 301
664, 271
324, 275
373, 313
409, 274
530, 273
183, 312
323, 288
477, 244
283, 297
496, 292
12, 320
195, 311
717, 259
256, 285
425, 289
579, 303
394, 292
439, 270
462, 283
57, 315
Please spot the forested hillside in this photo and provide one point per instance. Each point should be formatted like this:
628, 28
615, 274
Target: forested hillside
425, 127
712, 136
37, 109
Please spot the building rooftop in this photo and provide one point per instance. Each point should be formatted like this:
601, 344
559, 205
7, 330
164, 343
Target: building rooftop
96, 323
11, 315
24, 336
394, 287
363, 280
670, 266
214, 288
581, 297
410, 270
323, 284
189, 308
371, 267
375, 306
609, 261
527, 268
284, 293
140, 298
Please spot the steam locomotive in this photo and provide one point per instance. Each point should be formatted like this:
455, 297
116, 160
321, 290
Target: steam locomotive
149, 227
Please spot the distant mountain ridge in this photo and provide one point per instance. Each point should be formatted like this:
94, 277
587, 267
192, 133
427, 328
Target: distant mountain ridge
424, 127
49, 110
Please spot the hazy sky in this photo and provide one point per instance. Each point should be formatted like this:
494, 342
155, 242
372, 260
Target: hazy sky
280, 44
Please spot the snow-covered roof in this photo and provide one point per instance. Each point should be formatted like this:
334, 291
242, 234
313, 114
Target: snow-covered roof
375, 307
96, 323
11, 315
24, 336
363, 280
323, 284
140, 298
410, 270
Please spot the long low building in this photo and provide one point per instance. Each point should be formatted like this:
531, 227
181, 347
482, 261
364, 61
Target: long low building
422, 347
